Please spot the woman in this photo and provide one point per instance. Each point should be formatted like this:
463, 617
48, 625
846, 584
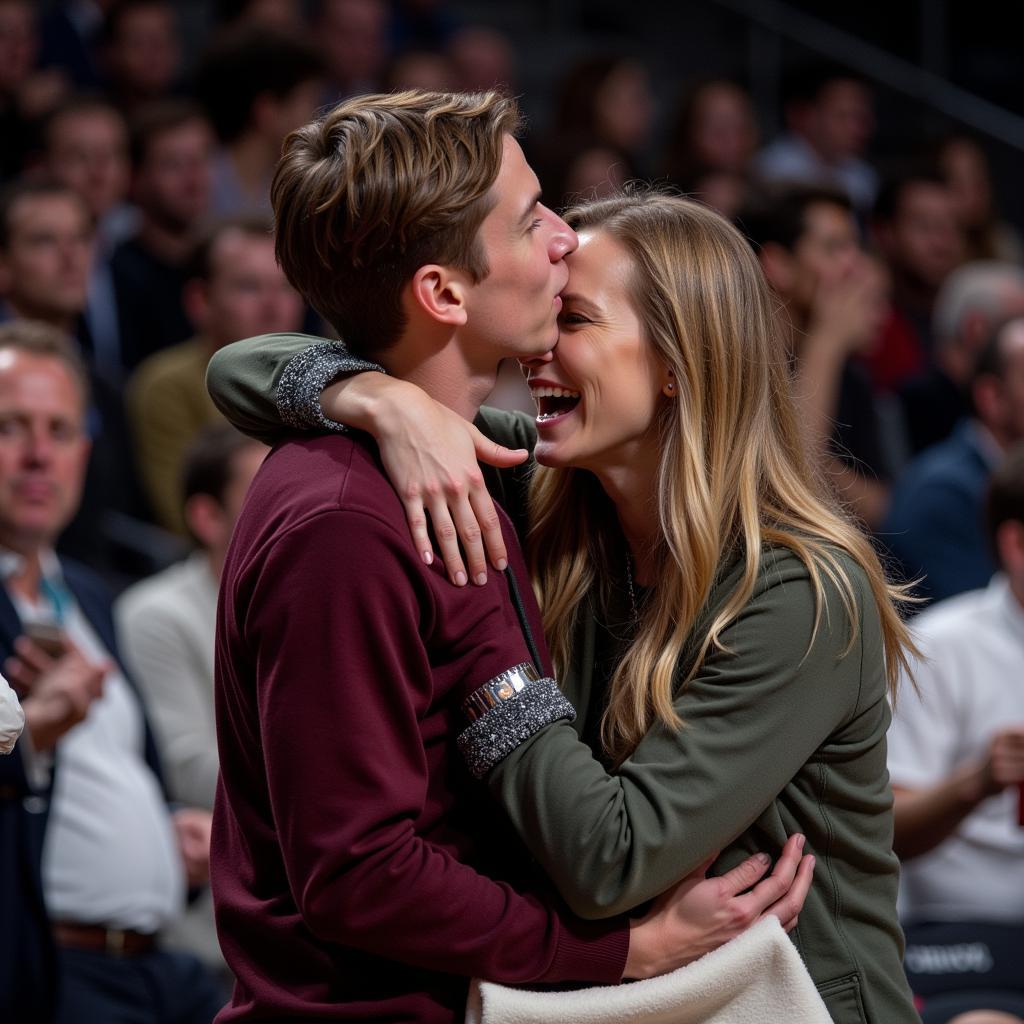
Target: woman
726, 636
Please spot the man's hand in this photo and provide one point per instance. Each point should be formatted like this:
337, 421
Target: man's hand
56, 693
700, 914
430, 454
847, 314
192, 827
1005, 763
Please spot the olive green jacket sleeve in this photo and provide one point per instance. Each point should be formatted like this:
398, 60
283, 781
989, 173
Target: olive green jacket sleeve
753, 718
270, 386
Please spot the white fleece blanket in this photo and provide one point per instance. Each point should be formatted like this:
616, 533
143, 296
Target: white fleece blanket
755, 978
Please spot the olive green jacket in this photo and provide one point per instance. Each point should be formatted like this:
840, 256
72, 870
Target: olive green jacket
782, 733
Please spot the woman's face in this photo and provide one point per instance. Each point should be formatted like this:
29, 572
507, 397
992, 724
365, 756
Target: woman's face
599, 390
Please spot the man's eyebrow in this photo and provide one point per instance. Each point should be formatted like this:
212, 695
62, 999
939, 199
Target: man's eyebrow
528, 212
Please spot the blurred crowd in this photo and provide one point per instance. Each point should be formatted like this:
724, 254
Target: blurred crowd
135, 240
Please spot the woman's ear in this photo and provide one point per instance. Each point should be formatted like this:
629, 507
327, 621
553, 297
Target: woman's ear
441, 293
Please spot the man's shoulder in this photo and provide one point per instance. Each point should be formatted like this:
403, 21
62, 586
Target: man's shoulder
170, 592
951, 465
955, 620
168, 366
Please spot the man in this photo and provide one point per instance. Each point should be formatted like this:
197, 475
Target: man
87, 150
829, 123
956, 757
935, 522
256, 85
353, 855
94, 862
171, 146
808, 245
140, 51
971, 303
46, 249
167, 623
235, 289
915, 228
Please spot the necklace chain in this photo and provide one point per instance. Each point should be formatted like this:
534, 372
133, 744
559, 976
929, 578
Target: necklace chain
632, 591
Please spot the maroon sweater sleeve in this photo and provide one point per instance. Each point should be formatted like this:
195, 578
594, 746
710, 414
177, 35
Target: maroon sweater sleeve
344, 688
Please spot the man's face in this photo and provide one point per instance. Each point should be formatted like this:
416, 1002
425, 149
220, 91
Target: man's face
173, 183
43, 448
88, 152
247, 293
925, 241
841, 121
826, 253
1012, 386
146, 54
45, 271
514, 309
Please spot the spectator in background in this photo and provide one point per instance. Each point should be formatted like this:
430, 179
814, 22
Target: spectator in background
484, 59
352, 37
956, 757
237, 290
167, 628
964, 165
256, 85
95, 862
46, 244
172, 153
935, 522
915, 228
70, 32
973, 300
285, 15
27, 95
809, 248
606, 101
714, 129
141, 51
87, 149
829, 123
420, 69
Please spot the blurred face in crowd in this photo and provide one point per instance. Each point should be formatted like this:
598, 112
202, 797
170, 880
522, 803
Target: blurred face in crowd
247, 293
827, 252
44, 272
1003, 405
17, 43
276, 117
88, 152
624, 106
924, 241
145, 55
353, 37
43, 448
724, 130
172, 184
966, 172
839, 124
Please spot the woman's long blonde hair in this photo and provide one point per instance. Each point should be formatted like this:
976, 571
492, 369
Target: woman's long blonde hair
733, 474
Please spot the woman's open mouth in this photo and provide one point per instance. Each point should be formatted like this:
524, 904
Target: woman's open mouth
553, 402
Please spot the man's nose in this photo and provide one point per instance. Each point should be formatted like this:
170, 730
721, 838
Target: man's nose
563, 240
537, 361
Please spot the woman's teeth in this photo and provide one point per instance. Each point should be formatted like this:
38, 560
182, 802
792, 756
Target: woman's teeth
553, 401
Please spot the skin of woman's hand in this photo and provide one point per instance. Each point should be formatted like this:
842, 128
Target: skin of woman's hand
430, 455
699, 914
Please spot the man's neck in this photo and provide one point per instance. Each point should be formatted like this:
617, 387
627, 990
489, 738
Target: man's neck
444, 372
170, 247
25, 311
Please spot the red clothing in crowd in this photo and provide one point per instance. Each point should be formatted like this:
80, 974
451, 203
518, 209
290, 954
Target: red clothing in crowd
353, 854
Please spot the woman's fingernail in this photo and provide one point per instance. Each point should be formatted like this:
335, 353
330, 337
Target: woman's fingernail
502, 564
481, 579
428, 557
800, 840
460, 579
763, 858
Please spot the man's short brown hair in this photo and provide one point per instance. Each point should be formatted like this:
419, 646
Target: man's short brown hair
378, 187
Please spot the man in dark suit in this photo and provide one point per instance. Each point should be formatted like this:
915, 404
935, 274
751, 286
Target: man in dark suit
92, 862
935, 523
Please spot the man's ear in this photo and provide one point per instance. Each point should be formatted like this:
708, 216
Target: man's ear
441, 293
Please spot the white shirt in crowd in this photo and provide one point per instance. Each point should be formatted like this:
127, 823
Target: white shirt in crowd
110, 856
12, 718
971, 685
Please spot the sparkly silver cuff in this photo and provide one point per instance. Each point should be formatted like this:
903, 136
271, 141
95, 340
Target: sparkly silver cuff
306, 376
491, 738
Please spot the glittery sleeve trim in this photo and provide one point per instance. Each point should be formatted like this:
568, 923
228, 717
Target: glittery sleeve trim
490, 739
305, 377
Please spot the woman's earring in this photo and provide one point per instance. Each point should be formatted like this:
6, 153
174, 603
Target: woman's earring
669, 389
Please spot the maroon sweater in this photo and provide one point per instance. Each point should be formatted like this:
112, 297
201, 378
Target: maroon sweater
355, 861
